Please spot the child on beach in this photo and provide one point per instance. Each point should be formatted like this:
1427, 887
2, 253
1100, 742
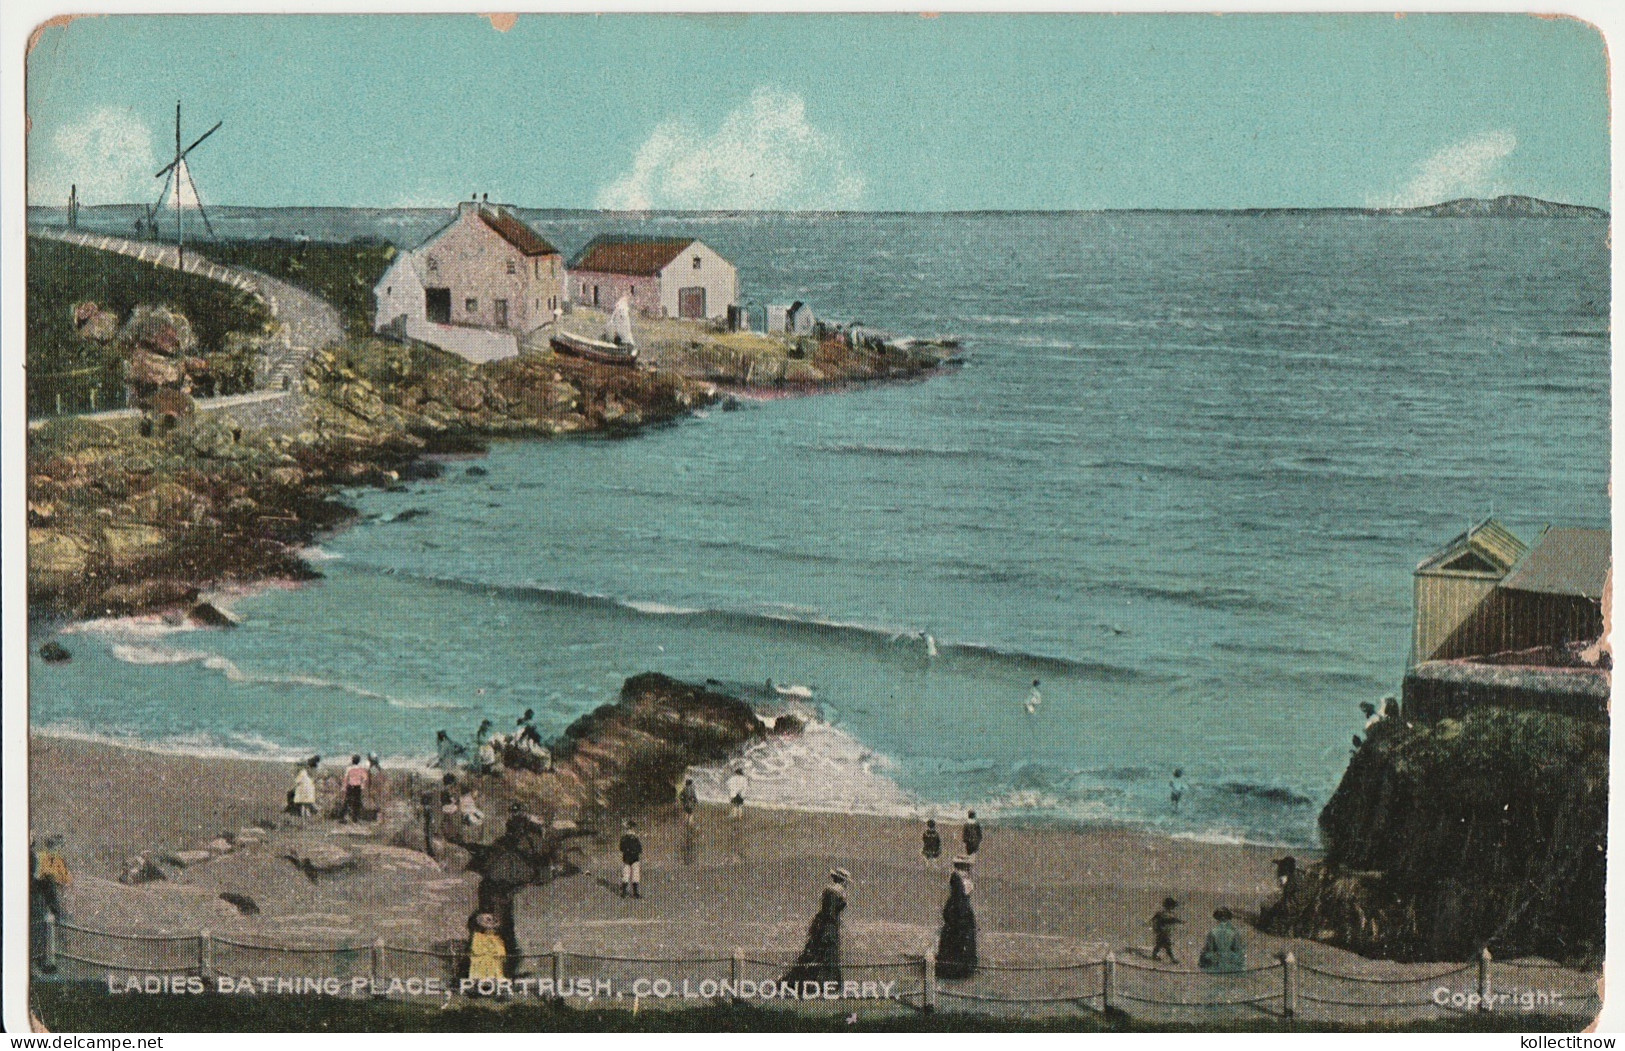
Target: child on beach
1163, 923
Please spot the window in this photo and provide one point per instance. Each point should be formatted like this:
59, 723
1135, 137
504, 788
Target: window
535, 268
434, 264
513, 268
390, 290
696, 262
471, 305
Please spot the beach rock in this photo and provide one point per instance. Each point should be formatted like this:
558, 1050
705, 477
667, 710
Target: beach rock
476, 471
211, 616
322, 858
141, 869
172, 405
167, 502
146, 368
94, 323
251, 834
54, 652
143, 596
55, 556
244, 905
126, 545
158, 330
186, 858
220, 845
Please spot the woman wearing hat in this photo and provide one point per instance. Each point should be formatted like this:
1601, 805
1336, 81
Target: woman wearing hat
1224, 951
956, 947
486, 953
820, 961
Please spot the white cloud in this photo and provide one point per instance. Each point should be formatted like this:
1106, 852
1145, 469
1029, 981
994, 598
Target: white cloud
108, 153
764, 155
1463, 169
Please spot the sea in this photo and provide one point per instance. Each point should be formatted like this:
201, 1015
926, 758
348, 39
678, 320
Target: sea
1181, 480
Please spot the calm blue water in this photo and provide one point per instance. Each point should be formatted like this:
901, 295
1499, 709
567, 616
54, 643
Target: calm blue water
1182, 481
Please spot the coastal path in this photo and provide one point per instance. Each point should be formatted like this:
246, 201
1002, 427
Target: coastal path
306, 323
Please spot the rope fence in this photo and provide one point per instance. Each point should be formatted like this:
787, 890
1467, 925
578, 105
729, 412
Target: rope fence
1281, 989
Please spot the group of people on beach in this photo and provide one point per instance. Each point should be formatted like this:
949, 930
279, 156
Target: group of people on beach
489, 751
361, 789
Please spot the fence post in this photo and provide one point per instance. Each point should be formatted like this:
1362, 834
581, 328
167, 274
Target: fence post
1289, 985
736, 970
1108, 982
558, 968
205, 954
377, 965
48, 964
928, 983
1484, 979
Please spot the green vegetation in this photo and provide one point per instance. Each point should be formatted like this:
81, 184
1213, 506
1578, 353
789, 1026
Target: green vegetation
92, 1009
341, 273
86, 373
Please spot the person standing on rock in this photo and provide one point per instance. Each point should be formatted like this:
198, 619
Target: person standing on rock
820, 959
303, 799
971, 834
956, 945
355, 787
631, 859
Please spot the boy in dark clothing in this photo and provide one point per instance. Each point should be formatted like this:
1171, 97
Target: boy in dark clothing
631, 858
1162, 927
971, 834
931, 841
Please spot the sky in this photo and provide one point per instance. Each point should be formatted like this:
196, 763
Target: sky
881, 112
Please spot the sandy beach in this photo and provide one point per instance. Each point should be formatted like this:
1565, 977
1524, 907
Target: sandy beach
1043, 894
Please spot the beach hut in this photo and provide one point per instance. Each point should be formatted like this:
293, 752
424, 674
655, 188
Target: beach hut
796, 318
1451, 585
661, 276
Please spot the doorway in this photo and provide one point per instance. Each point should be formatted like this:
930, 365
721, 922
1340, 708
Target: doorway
691, 302
437, 304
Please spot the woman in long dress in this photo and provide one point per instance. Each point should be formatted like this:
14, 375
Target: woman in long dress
820, 960
956, 948
486, 952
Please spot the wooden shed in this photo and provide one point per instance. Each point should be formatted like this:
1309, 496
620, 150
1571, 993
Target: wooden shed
1451, 586
1486, 592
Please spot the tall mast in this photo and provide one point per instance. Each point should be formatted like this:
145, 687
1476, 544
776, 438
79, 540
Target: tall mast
180, 240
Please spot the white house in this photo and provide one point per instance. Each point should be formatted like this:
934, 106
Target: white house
472, 286
662, 276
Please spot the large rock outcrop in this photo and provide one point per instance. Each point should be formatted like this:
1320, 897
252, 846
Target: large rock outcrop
1443, 838
627, 756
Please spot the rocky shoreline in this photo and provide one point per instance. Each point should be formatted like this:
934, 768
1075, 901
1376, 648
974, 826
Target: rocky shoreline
132, 516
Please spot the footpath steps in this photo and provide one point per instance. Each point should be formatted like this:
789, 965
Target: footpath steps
306, 322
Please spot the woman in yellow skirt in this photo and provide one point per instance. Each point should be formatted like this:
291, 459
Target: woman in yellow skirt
486, 953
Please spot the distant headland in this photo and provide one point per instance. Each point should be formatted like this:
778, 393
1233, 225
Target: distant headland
1510, 205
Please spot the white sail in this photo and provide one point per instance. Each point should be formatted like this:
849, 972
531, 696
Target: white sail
620, 322
185, 188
